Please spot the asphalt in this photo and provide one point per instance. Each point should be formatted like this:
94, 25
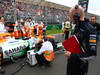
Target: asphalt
58, 66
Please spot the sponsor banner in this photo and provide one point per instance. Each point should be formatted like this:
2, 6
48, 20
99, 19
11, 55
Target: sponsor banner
84, 4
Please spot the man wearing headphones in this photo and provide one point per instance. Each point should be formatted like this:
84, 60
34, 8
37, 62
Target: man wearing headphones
76, 64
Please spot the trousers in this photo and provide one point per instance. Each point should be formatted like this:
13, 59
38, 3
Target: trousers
77, 67
41, 60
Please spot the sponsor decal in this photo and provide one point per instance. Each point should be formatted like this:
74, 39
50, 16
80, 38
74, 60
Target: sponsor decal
14, 50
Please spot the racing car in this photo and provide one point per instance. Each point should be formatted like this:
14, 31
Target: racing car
11, 47
14, 48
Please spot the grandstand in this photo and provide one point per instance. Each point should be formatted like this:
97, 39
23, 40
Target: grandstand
39, 10
45, 3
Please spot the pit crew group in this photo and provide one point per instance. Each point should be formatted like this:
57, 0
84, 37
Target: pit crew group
30, 29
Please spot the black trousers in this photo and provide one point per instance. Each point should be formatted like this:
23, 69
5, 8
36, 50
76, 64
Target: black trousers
41, 60
77, 67
35, 31
66, 34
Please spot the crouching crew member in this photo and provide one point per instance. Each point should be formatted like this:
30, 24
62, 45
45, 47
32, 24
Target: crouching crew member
45, 55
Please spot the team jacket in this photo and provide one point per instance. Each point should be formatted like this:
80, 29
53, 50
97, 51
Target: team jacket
83, 33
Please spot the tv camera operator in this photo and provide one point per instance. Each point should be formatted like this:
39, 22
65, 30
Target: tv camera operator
78, 62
